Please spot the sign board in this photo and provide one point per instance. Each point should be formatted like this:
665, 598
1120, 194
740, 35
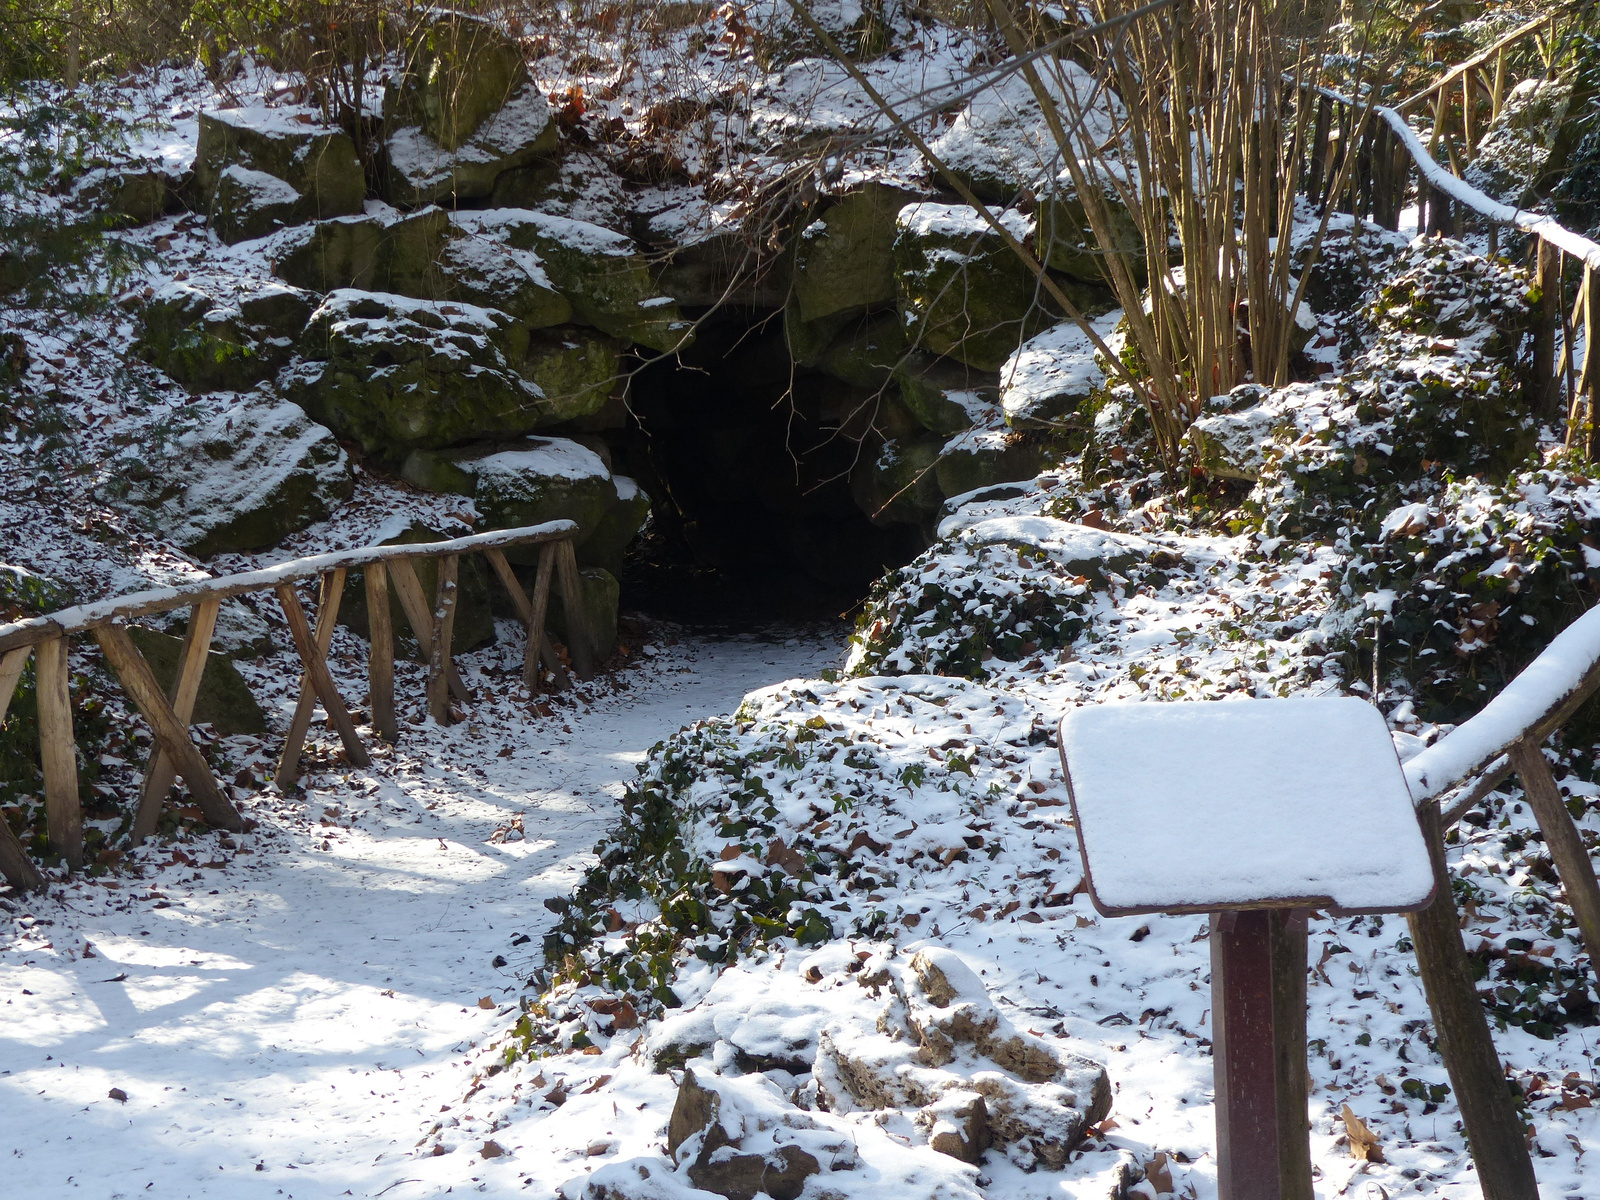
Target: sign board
1243, 804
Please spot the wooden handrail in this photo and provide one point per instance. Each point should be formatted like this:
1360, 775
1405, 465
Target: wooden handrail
168, 714
84, 617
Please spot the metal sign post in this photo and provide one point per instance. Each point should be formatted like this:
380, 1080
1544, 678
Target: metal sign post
1255, 812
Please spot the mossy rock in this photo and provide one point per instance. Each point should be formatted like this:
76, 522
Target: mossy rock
489, 273
575, 368
601, 597
899, 485
398, 374
315, 162
720, 269
421, 171
221, 338
403, 256
462, 70
844, 260
1052, 381
983, 459
946, 396
474, 619
528, 482
808, 341
600, 272
224, 701
608, 542
963, 293
141, 195
867, 352
239, 473
1067, 239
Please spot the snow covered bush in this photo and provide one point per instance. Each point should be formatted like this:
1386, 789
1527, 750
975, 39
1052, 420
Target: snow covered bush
1006, 588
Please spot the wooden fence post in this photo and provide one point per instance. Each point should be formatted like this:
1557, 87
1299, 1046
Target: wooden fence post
1546, 266
15, 865
1588, 402
171, 734
58, 754
444, 620
579, 642
1565, 844
159, 773
380, 653
1495, 1133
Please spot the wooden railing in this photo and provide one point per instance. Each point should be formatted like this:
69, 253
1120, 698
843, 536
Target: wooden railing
1392, 160
168, 713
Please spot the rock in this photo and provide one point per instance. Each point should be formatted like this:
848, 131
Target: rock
1067, 239
983, 458
864, 31
224, 701
963, 292
488, 272
400, 255
422, 171
25, 593
315, 162
844, 260
462, 70
238, 473
866, 353
1051, 378
398, 374
942, 1048
947, 396
1003, 145
709, 1126
614, 533
959, 1126
719, 268
899, 484
474, 620
575, 369
602, 595
521, 483
1516, 150
1230, 437
604, 276
580, 183
220, 336
140, 192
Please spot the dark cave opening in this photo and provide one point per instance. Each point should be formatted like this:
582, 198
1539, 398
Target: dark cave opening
747, 458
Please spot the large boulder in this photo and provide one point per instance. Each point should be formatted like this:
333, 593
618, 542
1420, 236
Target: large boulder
488, 271
528, 482
221, 335
1002, 143
844, 260
600, 272
422, 171
963, 292
609, 540
947, 396
981, 458
1053, 376
866, 353
257, 168
373, 253
224, 701
899, 484
462, 70
398, 374
1066, 239
239, 473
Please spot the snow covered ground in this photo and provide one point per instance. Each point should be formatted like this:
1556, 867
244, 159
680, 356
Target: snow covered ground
288, 1015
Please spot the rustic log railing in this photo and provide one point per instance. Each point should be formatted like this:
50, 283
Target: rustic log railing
168, 713
1393, 159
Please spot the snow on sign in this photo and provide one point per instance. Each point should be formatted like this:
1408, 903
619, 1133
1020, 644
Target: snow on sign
1208, 806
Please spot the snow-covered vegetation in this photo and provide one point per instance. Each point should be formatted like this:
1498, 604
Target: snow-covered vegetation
1060, 423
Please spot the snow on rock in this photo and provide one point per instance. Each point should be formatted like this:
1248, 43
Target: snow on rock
421, 171
1052, 374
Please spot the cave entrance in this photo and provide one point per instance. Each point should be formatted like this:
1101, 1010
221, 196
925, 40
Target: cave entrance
747, 459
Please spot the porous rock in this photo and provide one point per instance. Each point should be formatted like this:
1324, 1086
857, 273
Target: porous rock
222, 335
844, 260
259, 167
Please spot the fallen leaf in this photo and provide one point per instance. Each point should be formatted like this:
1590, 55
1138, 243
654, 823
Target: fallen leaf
485, 1002
1158, 1174
120, 1096
1363, 1142
491, 1150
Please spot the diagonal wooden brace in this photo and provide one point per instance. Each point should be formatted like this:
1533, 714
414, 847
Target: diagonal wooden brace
171, 734
328, 599
160, 774
317, 669
532, 614
414, 603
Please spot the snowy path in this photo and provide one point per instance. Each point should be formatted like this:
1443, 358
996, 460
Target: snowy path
290, 1023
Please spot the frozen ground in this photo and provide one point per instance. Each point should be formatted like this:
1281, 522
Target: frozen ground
288, 1016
